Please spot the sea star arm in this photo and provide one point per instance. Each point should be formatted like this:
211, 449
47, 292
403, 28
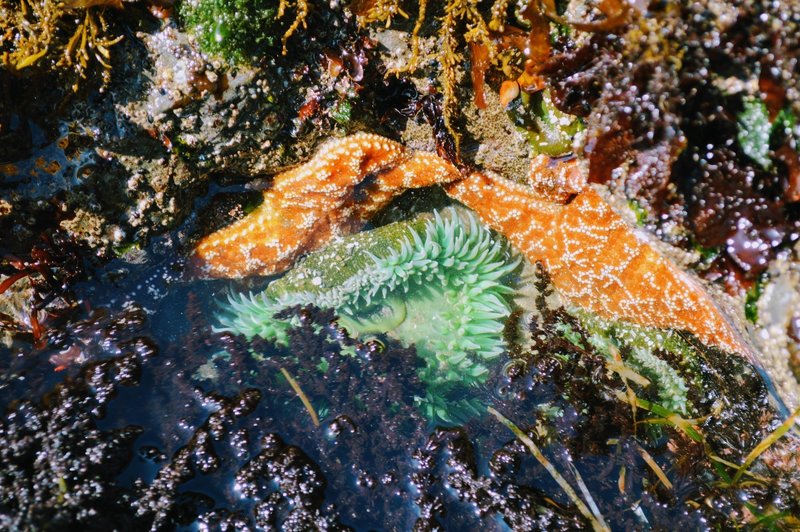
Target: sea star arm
309, 205
554, 179
305, 208
596, 260
422, 169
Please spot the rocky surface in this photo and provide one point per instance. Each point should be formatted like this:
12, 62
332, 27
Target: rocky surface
104, 184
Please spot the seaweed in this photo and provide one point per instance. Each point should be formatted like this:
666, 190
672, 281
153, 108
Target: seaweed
466, 30
51, 269
235, 29
72, 38
695, 133
242, 30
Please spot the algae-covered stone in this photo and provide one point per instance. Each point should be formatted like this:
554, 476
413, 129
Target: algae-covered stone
680, 373
640, 348
235, 29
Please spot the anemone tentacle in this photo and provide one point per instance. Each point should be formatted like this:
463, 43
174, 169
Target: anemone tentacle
437, 283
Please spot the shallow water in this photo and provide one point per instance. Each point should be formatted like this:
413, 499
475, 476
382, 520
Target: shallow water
224, 440
129, 411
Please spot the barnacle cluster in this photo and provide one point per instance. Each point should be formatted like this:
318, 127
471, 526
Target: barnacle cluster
71, 37
435, 283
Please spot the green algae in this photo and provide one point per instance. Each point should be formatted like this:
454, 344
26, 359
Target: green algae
754, 131
234, 29
652, 353
548, 130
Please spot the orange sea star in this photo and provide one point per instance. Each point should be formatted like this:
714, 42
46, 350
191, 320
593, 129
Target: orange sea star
595, 259
308, 205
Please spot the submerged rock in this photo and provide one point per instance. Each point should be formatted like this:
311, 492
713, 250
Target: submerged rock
135, 439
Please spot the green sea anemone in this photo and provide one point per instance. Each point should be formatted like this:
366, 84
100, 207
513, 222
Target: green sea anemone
439, 283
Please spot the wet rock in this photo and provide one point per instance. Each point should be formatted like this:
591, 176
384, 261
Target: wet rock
118, 166
58, 466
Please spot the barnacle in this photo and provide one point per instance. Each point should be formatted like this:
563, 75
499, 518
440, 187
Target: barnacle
435, 283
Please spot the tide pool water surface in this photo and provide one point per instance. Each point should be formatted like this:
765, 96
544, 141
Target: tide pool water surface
354, 391
474, 255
